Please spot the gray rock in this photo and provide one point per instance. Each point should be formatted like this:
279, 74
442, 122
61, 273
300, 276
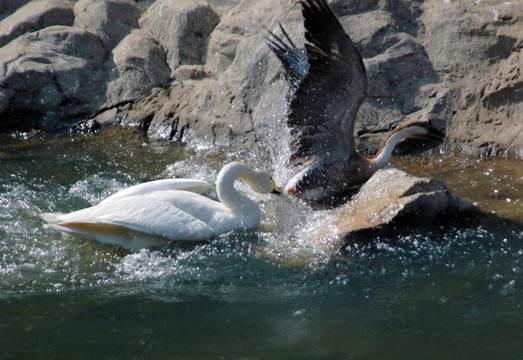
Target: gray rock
182, 28
367, 30
496, 115
10, 6
222, 98
455, 61
472, 47
139, 66
393, 201
111, 20
396, 75
58, 69
35, 16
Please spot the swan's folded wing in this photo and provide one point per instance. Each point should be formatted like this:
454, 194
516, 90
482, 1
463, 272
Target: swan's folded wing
192, 185
139, 213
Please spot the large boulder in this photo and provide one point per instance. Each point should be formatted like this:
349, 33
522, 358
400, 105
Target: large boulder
57, 71
182, 28
8, 7
35, 16
214, 97
111, 20
472, 46
139, 66
496, 117
453, 61
392, 201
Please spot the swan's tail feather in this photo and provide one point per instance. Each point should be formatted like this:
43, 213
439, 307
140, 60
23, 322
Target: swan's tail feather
51, 218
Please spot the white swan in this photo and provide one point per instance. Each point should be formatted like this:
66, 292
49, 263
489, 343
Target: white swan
152, 213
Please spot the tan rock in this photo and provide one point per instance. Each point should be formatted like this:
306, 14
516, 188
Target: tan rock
111, 20
139, 66
182, 28
394, 201
35, 16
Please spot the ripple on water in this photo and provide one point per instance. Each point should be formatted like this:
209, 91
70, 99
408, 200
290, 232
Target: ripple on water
36, 259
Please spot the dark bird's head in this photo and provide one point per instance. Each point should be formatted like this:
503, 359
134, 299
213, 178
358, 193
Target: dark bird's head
424, 129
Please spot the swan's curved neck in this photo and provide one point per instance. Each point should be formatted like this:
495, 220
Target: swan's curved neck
228, 195
385, 151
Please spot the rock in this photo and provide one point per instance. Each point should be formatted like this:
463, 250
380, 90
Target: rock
343, 7
393, 201
139, 66
111, 20
368, 30
182, 28
472, 46
221, 99
398, 73
58, 69
8, 7
495, 117
455, 61
35, 16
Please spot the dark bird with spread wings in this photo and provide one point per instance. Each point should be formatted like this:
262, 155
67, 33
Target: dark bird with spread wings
331, 86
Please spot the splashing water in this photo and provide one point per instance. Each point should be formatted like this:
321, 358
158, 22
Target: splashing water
271, 292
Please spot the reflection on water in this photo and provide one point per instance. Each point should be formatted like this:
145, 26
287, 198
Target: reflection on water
493, 184
452, 294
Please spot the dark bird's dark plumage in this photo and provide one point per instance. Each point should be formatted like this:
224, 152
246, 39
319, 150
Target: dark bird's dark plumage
331, 88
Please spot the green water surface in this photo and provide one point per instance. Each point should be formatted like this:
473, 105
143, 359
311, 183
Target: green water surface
451, 294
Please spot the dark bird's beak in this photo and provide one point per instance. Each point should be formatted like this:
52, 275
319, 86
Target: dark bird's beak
436, 130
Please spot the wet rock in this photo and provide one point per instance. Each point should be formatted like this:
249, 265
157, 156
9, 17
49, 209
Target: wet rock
111, 20
35, 16
182, 28
393, 201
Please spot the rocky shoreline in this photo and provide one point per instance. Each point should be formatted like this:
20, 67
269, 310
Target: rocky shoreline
165, 66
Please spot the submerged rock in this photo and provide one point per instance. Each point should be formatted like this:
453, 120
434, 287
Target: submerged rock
393, 201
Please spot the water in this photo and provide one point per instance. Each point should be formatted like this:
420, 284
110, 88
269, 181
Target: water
454, 294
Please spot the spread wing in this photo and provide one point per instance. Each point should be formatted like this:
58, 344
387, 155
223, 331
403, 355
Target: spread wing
293, 59
327, 100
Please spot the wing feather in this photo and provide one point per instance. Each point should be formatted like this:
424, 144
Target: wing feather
327, 100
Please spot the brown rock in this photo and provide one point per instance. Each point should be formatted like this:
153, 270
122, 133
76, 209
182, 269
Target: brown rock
393, 201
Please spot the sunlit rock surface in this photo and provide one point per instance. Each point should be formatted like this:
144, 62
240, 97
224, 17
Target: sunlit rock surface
182, 29
138, 64
393, 201
456, 61
35, 16
111, 20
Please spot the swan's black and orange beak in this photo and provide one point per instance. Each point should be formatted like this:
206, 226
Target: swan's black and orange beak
275, 189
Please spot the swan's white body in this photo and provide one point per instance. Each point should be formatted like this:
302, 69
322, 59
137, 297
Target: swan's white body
152, 213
